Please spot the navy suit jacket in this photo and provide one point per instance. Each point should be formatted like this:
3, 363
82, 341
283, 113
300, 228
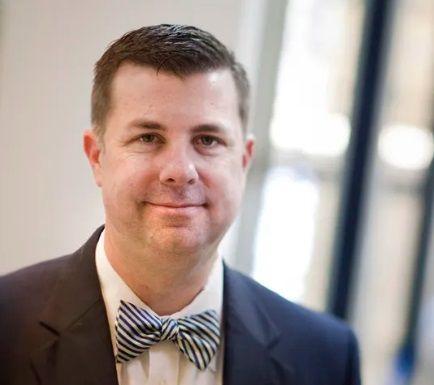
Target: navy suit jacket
54, 331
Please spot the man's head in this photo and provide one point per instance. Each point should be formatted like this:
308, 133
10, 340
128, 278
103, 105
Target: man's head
172, 158
175, 49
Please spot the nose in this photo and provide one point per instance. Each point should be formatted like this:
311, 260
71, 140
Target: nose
178, 169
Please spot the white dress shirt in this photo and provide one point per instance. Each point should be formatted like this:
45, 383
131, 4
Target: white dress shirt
163, 363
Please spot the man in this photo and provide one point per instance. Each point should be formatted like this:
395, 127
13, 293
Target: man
148, 300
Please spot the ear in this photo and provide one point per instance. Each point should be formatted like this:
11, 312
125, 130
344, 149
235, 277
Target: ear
249, 147
93, 149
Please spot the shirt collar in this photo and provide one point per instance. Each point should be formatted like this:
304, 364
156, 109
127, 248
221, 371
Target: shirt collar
114, 289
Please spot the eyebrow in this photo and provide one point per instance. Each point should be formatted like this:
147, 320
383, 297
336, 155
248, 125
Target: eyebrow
149, 124
214, 128
206, 127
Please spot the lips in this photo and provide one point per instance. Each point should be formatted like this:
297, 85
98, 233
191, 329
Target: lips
177, 205
175, 210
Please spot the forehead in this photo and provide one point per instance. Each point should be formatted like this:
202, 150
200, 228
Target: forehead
140, 90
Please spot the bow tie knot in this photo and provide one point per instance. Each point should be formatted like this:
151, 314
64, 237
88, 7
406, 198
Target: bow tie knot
169, 329
137, 329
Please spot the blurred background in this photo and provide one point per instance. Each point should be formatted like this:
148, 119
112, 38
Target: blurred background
338, 209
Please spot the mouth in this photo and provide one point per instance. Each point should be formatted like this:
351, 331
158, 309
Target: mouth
170, 205
176, 209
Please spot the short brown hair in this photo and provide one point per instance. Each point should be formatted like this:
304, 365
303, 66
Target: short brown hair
176, 49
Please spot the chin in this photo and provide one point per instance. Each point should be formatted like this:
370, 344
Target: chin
180, 241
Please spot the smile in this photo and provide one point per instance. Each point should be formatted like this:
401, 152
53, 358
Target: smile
176, 209
175, 205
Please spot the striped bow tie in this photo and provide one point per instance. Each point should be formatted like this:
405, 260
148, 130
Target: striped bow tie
196, 336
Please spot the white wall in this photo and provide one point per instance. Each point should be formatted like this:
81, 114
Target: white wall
48, 202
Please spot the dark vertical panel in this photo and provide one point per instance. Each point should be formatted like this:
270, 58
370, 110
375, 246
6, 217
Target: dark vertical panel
407, 354
367, 100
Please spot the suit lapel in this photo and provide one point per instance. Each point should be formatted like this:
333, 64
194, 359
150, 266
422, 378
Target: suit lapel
78, 347
250, 335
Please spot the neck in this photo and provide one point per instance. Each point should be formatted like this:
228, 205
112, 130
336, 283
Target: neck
166, 283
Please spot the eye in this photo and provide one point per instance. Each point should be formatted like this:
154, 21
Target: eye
149, 138
208, 141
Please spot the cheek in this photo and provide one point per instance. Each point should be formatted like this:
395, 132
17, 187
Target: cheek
124, 180
226, 191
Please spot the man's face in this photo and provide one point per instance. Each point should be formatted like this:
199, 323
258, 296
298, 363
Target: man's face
173, 161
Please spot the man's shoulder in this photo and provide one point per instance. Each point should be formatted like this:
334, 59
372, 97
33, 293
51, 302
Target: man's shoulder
36, 282
34, 278
31, 286
305, 322
296, 335
23, 296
